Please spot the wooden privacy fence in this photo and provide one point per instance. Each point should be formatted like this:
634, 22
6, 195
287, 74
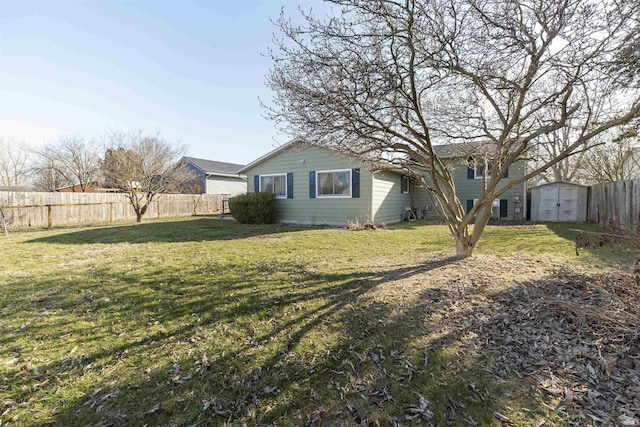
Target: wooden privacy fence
618, 200
35, 209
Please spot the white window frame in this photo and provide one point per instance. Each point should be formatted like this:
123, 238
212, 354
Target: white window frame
408, 184
335, 196
495, 204
479, 166
274, 187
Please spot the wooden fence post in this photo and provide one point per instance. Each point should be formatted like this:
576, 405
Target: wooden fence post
111, 212
49, 217
158, 202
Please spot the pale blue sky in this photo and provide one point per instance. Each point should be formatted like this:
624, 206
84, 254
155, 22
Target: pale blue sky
192, 70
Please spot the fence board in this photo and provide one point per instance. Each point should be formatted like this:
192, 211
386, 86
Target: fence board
615, 201
39, 209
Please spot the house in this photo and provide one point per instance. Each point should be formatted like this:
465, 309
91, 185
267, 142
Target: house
212, 177
92, 187
467, 161
317, 186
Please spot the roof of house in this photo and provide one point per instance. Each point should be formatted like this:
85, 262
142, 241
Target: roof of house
212, 167
462, 149
269, 155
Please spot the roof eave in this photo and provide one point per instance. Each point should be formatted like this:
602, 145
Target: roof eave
269, 155
226, 175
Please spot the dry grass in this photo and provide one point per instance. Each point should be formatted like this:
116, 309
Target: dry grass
206, 322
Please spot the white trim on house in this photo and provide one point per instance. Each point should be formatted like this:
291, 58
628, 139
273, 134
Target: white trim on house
268, 175
334, 196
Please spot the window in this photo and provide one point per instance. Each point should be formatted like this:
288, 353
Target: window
476, 169
334, 183
479, 170
276, 184
498, 207
405, 185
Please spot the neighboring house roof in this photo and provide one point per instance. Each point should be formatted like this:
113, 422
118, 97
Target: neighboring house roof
269, 155
212, 167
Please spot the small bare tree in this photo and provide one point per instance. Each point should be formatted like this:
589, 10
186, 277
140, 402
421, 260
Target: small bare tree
617, 160
72, 160
45, 177
14, 163
143, 167
389, 79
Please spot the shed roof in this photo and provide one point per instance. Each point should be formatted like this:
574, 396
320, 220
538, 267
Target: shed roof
559, 182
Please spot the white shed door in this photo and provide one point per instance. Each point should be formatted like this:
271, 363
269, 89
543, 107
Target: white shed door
548, 205
568, 201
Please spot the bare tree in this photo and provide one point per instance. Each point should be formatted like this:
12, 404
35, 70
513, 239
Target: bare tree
45, 177
14, 163
72, 160
390, 79
144, 167
617, 160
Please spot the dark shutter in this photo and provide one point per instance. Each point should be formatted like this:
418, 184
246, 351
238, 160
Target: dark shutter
503, 208
290, 185
470, 172
469, 205
355, 183
312, 184
506, 175
256, 183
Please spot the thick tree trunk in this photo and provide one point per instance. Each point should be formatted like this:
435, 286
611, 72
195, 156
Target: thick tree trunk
466, 241
464, 246
139, 216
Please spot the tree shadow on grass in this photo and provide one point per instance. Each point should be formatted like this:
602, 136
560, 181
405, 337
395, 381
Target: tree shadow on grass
393, 347
202, 229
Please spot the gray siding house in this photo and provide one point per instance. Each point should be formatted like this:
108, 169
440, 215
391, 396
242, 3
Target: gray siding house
212, 177
317, 186
468, 167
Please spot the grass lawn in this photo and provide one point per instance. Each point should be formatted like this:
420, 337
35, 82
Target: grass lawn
208, 322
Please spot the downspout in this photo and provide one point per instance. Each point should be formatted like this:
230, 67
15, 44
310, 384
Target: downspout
524, 195
371, 214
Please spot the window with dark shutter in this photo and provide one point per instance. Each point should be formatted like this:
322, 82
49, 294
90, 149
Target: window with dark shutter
405, 184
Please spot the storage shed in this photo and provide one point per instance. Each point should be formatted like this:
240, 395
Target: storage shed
559, 202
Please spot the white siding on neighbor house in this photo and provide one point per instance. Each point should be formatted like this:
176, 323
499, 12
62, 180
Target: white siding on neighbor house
388, 202
225, 185
302, 209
